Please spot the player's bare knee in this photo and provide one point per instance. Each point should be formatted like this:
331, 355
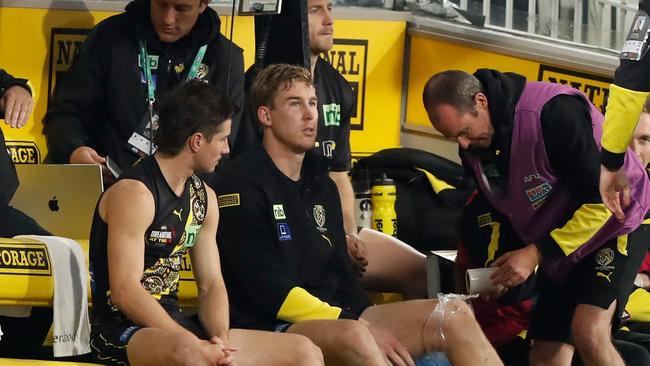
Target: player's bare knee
184, 351
356, 339
306, 353
459, 312
454, 319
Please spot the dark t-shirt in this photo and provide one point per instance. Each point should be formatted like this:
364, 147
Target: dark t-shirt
335, 108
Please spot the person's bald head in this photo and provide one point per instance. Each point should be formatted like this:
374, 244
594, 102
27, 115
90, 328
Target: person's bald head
454, 88
458, 108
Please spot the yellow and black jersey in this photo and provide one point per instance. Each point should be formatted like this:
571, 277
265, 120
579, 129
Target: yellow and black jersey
176, 224
282, 244
627, 94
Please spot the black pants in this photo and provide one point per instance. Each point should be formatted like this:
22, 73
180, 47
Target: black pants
23, 337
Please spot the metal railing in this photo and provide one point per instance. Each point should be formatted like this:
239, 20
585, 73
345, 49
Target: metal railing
600, 23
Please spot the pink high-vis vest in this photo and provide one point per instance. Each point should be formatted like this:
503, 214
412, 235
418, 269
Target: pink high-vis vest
535, 199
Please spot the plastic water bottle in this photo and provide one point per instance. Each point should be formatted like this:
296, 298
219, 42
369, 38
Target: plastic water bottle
384, 217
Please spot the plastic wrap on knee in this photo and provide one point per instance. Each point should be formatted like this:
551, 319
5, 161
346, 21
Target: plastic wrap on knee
434, 326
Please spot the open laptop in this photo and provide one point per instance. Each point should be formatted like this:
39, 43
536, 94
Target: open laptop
61, 198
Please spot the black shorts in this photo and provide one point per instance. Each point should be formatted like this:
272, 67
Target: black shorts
110, 337
600, 278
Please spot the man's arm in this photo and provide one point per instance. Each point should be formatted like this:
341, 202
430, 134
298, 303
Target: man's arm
128, 209
213, 299
75, 102
339, 168
627, 95
346, 194
356, 247
16, 101
346, 270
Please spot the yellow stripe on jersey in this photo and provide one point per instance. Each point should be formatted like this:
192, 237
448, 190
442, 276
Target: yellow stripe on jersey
621, 244
624, 107
494, 242
300, 305
584, 224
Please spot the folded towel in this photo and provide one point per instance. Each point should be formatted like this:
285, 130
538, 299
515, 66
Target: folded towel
70, 301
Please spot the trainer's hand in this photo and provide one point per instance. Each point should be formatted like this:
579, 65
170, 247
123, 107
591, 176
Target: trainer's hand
513, 268
392, 348
615, 191
17, 104
357, 251
86, 155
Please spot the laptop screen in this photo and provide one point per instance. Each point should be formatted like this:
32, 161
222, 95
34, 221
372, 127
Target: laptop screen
61, 198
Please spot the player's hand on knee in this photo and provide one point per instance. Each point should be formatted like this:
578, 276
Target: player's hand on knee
391, 347
357, 251
227, 350
212, 354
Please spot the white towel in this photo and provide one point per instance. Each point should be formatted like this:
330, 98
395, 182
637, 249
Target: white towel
70, 302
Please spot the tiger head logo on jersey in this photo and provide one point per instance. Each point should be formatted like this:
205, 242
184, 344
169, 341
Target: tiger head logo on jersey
319, 216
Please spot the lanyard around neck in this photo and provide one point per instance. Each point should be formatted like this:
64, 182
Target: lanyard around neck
144, 60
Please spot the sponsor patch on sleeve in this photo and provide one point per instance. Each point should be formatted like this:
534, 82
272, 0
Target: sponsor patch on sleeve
484, 219
284, 233
228, 200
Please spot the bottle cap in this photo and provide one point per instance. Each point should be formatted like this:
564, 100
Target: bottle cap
384, 181
360, 179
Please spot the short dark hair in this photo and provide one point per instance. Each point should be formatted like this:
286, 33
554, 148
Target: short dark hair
274, 78
646, 105
192, 106
453, 87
